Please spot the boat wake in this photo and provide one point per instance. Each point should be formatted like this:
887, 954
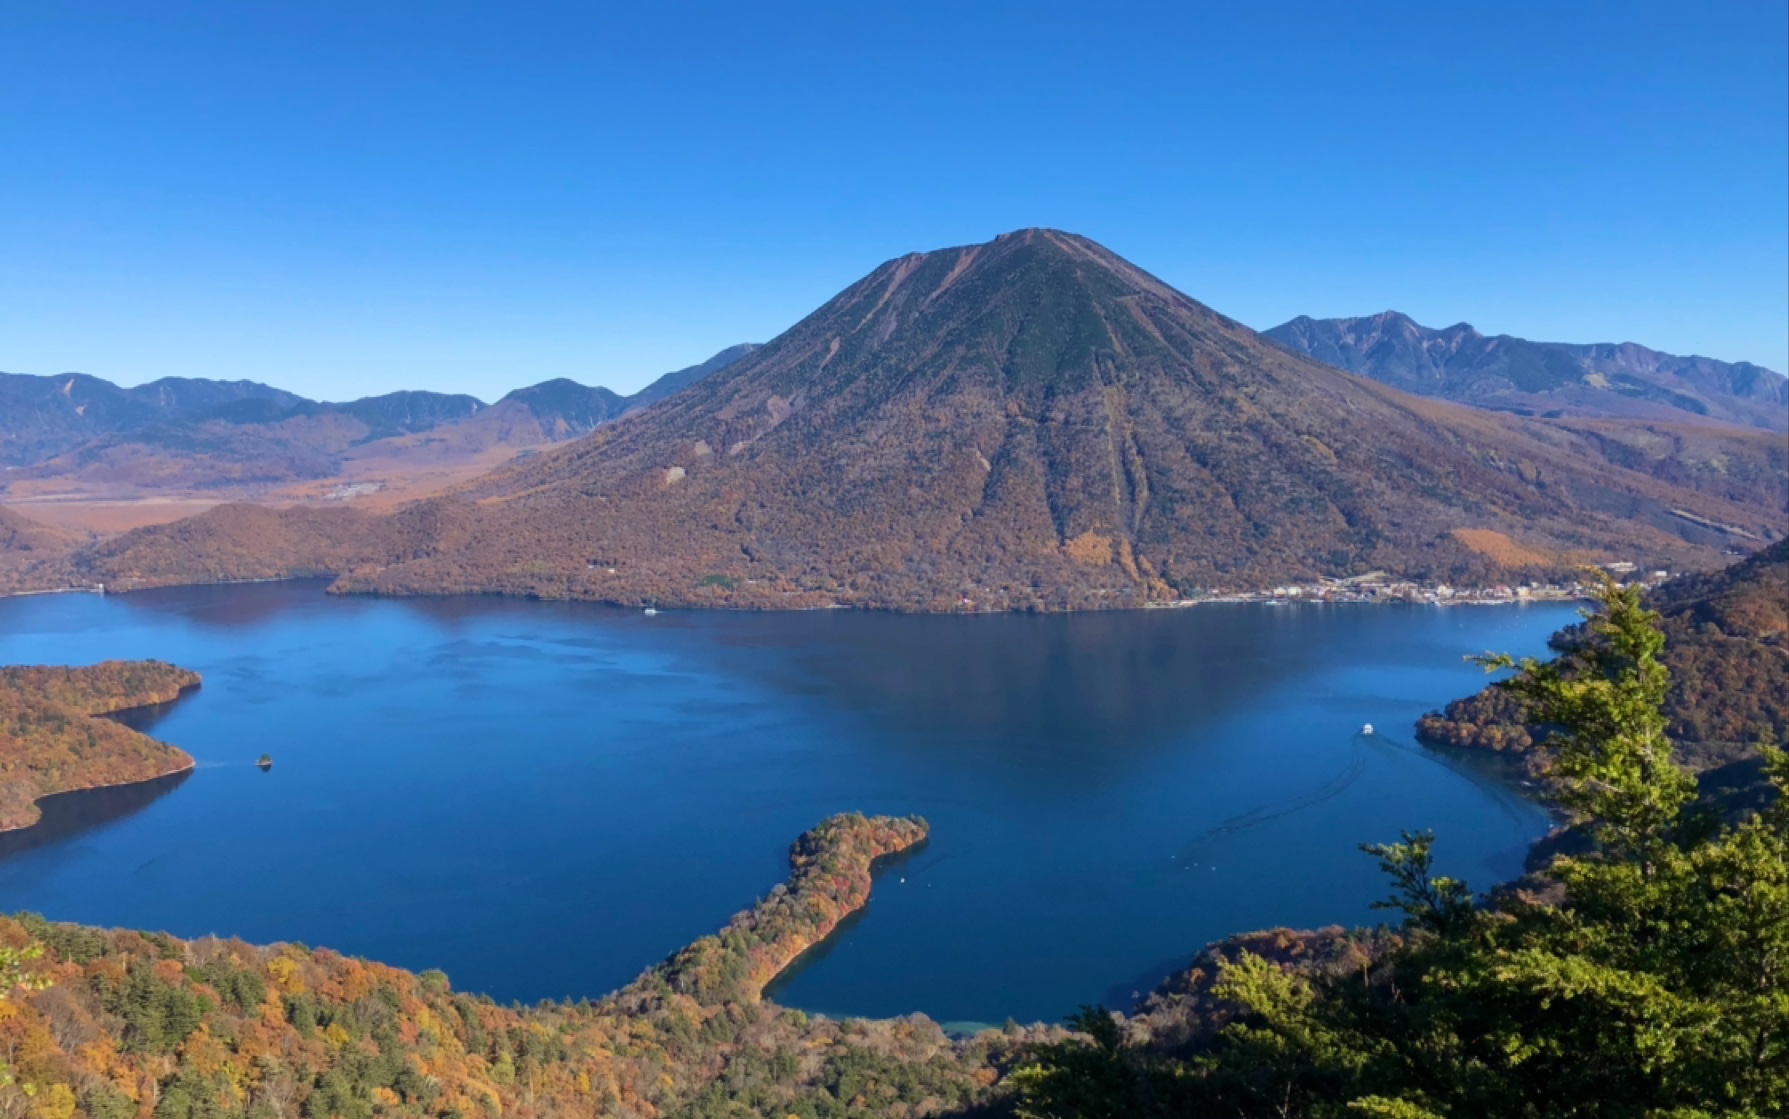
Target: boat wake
1508, 801
1366, 745
1268, 813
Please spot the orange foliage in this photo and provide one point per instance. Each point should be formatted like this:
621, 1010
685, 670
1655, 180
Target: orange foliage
51, 740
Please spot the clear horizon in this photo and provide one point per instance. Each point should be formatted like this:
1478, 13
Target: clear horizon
469, 199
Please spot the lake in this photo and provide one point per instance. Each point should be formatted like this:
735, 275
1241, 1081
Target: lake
542, 799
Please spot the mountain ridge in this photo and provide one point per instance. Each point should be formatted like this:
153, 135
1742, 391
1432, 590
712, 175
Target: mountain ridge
245, 440
1503, 372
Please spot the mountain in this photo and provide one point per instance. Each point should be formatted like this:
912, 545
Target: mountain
672, 383
567, 408
41, 417
241, 440
561, 409
1541, 378
400, 413
1029, 423
247, 442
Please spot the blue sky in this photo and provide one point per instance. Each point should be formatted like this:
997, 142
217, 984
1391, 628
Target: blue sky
466, 197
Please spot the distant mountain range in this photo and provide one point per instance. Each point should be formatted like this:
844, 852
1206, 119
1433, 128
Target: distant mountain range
194, 435
41, 417
1031, 423
1541, 378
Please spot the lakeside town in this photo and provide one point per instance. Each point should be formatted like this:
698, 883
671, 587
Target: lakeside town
1378, 586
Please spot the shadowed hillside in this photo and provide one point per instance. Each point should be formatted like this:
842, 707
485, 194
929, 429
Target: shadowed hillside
42, 417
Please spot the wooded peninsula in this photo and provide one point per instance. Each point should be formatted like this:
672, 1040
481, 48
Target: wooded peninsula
54, 738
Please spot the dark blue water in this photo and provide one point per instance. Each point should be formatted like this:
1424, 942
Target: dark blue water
542, 799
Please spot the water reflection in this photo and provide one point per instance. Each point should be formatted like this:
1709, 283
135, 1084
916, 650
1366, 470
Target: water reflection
1080, 689
67, 816
226, 606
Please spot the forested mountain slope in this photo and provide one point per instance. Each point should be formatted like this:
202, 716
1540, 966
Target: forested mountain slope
51, 742
42, 417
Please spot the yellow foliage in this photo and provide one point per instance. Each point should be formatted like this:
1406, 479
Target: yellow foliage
204, 1053
1090, 549
54, 1102
1125, 559
1500, 549
284, 972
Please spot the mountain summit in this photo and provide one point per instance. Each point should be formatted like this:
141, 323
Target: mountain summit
1036, 422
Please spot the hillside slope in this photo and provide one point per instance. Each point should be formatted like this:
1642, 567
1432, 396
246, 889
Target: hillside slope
1727, 646
675, 382
1036, 423
1541, 378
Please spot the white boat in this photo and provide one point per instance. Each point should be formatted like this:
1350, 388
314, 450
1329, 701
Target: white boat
1368, 729
650, 612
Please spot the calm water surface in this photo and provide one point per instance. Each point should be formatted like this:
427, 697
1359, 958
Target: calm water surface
542, 799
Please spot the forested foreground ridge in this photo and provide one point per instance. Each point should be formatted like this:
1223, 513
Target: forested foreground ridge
1030, 423
126, 1025
1727, 649
53, 740
1651, 979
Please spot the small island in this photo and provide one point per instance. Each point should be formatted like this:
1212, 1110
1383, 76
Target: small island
54, 740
